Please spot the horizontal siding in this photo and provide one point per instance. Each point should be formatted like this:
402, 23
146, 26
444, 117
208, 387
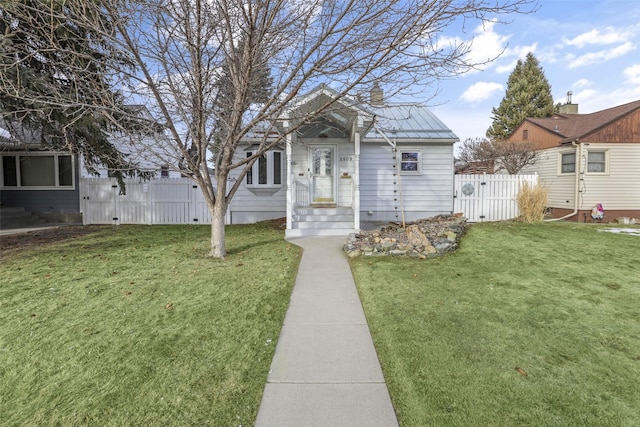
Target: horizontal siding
55, 200
619, 189
345, 164
42, 200
428, 194
561, 187
248, 200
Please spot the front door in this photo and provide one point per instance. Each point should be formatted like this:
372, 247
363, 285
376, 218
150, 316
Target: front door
323, 175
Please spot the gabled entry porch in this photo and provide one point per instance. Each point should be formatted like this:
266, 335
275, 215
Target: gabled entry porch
323, 155
322, 196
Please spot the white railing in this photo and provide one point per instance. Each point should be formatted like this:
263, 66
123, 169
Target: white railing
300, 194
485, 197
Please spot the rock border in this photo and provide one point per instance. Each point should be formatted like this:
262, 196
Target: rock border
424, 238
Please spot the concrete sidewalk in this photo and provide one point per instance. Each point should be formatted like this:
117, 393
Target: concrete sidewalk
325, 371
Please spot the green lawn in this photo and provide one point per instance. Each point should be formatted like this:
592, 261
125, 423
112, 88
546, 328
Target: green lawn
560, 302
133, 325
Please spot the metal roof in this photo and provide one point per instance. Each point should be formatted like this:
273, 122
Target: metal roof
409, 121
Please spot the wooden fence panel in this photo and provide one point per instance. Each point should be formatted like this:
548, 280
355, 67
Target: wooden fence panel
489, 197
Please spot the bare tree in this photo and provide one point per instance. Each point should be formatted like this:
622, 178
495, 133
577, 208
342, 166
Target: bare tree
179, 49
501, 155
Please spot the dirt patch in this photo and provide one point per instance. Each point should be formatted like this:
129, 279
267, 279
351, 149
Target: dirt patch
25, 240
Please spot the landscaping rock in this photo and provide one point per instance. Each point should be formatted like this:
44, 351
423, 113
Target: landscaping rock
425, 238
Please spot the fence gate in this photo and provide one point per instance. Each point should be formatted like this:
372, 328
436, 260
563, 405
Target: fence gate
489, 197
166, 201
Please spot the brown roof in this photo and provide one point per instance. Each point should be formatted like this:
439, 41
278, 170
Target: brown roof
577, 126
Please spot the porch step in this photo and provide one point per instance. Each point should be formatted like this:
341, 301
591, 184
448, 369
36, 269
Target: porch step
311, 232
323, 211
317, 221
318, 225
323, 218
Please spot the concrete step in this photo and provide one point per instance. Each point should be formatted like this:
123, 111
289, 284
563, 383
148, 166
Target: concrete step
328, 232
323, 211
323, 225
323, 218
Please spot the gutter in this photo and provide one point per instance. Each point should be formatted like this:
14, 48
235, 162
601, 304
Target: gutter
578, 146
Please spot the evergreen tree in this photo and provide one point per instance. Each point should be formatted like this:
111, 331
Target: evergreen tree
528, 95
56, 84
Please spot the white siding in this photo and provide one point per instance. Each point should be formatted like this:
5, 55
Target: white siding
423, 195
345, 164
619, 187
561, 187
251, 205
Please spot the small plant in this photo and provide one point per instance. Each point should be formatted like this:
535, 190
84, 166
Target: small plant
532, 201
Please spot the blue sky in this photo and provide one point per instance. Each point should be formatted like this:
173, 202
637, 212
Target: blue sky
591, 48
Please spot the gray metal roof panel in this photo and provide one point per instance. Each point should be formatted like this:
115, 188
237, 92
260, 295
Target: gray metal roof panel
409, 121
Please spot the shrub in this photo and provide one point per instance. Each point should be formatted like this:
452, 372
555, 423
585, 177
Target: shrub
532, 201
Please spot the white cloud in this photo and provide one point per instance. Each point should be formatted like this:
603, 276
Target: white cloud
595, 37
600, 56
632, 74
480, 91
582, 83
487, 44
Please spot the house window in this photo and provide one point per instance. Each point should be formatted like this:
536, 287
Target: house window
266, 171
164, 171
410, 162
568, 163
37, 171
525, 134
597, 161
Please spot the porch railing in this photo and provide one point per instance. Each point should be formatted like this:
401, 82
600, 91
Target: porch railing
300, 194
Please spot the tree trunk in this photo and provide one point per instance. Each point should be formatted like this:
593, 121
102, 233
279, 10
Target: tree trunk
217, 229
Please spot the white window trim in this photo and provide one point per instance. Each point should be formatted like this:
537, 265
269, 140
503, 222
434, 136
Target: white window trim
606, 162
55, 155
575, 163
270, 171
419, 161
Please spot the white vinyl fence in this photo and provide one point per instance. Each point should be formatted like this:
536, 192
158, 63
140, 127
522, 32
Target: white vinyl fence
180, 201
165, 201
489, 197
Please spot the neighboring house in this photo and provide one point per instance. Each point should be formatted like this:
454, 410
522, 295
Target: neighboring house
37, 179
47, 182
588, 159
382, 162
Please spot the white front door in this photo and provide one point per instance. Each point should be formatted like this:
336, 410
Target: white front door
323, 180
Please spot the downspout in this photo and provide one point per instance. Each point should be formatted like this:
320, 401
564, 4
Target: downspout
578, 146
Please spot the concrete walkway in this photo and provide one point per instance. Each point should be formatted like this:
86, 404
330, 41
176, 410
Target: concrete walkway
325, 371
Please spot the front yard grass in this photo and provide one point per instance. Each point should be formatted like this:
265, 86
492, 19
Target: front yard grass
132, 325
524, 325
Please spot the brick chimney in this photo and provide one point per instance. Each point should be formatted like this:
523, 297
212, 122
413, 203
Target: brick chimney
568, 107
377, 95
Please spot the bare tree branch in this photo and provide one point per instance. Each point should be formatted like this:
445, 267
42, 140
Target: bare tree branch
499, 154
179, 48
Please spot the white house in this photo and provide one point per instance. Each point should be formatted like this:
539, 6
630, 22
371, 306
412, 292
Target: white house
379, 162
